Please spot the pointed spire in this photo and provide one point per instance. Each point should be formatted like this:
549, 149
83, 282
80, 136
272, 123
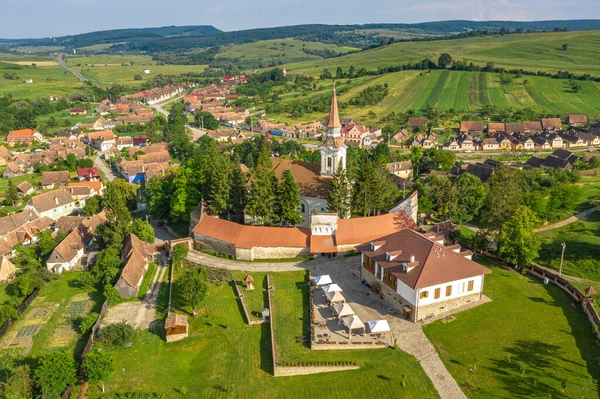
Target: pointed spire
334, 117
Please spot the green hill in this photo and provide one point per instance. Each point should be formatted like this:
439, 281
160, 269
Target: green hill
531, 51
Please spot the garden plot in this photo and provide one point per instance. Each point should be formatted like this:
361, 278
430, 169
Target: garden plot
19, 340
66, 331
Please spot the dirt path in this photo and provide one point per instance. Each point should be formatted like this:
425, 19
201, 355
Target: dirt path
580, 216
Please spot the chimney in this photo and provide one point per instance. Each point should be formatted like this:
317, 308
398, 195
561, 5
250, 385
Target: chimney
56, 199
412, 258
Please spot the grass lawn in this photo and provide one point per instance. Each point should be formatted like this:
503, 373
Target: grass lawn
224, 357
525, 342
582, 241
33, 178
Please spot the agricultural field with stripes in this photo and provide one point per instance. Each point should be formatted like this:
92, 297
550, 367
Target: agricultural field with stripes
461, 90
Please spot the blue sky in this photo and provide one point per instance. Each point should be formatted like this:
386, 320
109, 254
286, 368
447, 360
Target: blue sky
43, 18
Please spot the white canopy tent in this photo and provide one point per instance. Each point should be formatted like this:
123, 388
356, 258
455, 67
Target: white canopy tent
343, 310
378, 326
332, 288
353, 323
335, 297
322, 280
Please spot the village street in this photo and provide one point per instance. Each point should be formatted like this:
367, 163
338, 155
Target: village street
108, 173
368, 306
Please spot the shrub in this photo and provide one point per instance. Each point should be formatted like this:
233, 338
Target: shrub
117, 334
88, 322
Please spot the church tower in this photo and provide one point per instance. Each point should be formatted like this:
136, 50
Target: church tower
333, 149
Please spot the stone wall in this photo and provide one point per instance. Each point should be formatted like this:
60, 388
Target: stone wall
439, 308
242, 299
279, 252
281, 371
213, 244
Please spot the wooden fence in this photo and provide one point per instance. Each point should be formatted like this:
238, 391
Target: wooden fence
22, 307
586, 303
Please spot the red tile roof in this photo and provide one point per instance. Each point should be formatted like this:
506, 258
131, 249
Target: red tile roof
359, 230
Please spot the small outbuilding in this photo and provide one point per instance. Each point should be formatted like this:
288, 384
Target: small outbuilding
590, 292
335, 297
176, 327
342, 310
353, 323
7, 269
248, 281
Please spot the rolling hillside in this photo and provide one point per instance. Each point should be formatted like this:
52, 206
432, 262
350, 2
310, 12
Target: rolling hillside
532, 51
458, 90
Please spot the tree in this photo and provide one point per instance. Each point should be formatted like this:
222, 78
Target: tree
117, 334
107, 265
237, 192
119, 200
288, 200
192, 287
91, 207
206, 120
339, 198
503, 198
180, 252
444, 60
54, 372
385, 191
416, 156
261, 196
88, 322
143, 230
218, 183
137, 77
517, 243
12, 195
19, 385
565, 47
470, 193
98, 366
339, 73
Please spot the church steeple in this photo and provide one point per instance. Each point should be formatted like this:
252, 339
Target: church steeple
334, 116
333, 149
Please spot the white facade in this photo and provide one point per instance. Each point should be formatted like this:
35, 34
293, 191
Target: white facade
56, 213
61, 266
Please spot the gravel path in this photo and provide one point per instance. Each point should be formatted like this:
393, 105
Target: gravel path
345, 272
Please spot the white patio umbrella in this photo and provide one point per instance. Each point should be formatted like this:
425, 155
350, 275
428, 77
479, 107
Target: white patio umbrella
378, 326
322, 280
335, 297
332, 288
353, 323
343, 310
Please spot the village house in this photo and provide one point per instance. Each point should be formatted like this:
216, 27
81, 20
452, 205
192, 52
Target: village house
489, 144
52, 204
577, 120
573, 141
88, 174
554, 139
399, 137
20, 137
7, 269
101, 140
453, 145
78, 112
514, 128
532, 127
402, 169
137, 255
12, 170
420, 276
25, 188
53, 179
560, 159
416, 123
504, 141
590, 139
430, 142
467, 144
471, 127
5, 155
494, 127
67, 254
526, 142
551, 124
95, 186
354, 133
123, 142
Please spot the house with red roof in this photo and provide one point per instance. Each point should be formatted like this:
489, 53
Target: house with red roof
20, 137
419, 275
88, 174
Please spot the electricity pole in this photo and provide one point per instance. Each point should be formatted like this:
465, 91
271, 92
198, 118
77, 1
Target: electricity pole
562, 255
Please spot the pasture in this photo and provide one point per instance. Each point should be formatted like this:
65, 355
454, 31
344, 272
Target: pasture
528, 342
47, 80
531, 51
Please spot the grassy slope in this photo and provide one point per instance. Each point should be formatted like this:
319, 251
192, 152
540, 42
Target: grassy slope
536, 326
47, 81
582, 241
224, 357
282, 49
534, 51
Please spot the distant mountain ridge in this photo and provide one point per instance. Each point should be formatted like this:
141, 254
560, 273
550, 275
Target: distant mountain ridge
182, 38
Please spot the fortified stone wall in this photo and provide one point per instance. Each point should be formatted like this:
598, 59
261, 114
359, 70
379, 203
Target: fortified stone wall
213, 244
